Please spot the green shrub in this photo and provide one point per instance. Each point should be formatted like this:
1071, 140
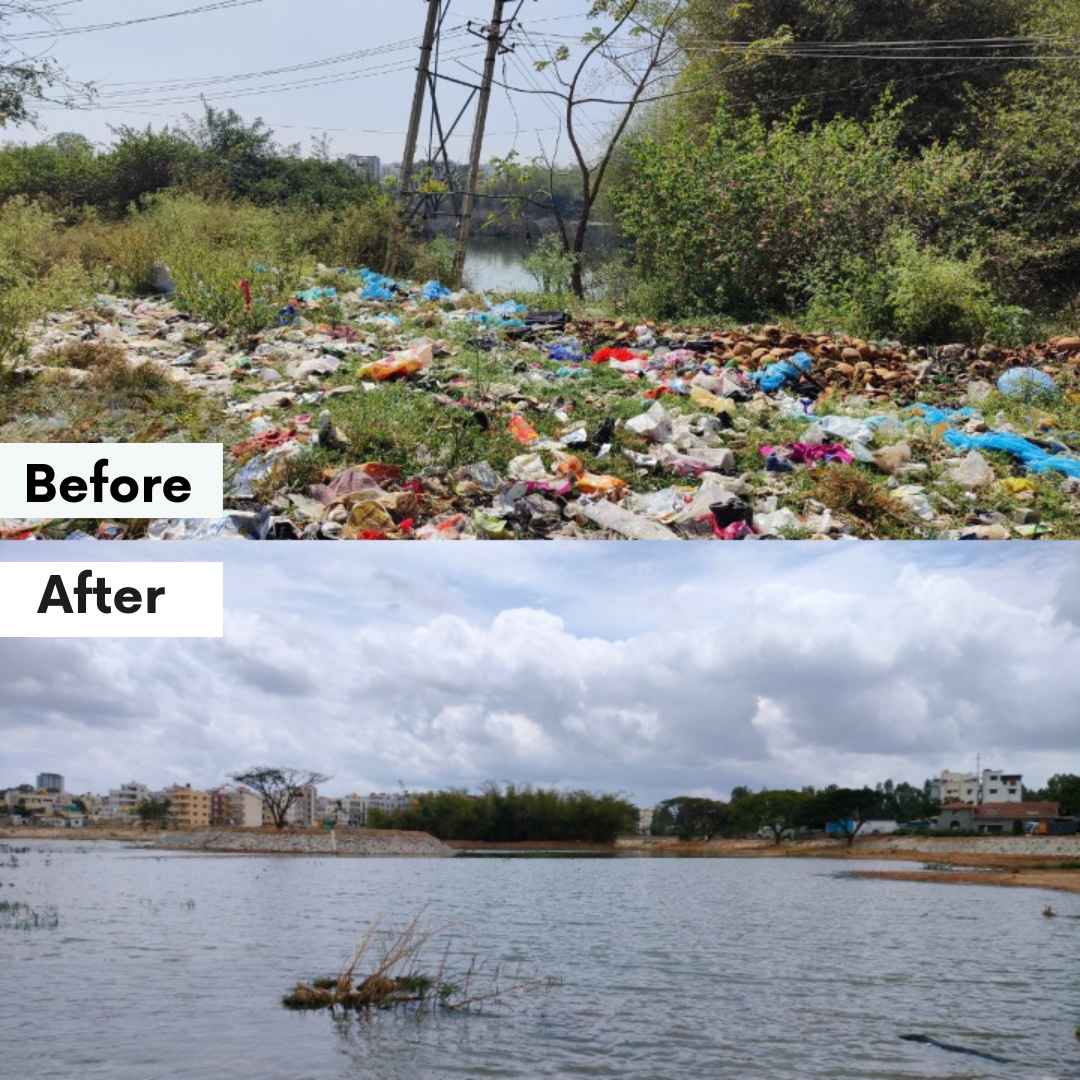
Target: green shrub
750, 220
433, 260
210, 247
551, 265
35, 275
915, 292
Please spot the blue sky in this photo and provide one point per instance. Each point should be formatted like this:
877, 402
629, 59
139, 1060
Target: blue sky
649, 669
364, 115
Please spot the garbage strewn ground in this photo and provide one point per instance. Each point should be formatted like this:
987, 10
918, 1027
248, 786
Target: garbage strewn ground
391, 410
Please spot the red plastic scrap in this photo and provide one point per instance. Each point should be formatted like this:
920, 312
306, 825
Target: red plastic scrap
380, 473
737, 530
602, 356
245, 289
266, 440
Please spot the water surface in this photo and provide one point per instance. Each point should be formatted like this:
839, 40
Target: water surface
168, 965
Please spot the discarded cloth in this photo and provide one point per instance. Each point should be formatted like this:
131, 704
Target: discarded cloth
808, 454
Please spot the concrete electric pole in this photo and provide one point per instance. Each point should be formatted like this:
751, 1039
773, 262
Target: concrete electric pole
494, 43
408, 160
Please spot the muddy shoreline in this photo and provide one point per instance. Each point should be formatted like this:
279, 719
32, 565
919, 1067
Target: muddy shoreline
983, 861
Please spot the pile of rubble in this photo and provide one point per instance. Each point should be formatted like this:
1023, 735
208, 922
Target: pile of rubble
592, 428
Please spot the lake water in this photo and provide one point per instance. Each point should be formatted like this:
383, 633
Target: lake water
172, 966
498, 263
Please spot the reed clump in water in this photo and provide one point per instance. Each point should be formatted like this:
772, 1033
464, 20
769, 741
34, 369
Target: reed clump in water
15, 915
398, 979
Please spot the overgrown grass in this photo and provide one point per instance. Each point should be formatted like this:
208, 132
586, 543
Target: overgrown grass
399, 425
864, 501
113, 401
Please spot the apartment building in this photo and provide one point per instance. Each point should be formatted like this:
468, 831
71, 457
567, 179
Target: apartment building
974, 789
246, 808
189, 808
123, 800
51, 782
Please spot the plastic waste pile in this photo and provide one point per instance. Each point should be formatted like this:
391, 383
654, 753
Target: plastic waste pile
539, 426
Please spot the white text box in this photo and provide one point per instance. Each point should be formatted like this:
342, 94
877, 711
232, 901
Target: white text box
139, 480
111, 599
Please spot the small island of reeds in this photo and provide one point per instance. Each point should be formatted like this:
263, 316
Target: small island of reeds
396, 977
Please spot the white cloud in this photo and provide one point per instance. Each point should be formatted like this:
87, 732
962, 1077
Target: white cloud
614, 667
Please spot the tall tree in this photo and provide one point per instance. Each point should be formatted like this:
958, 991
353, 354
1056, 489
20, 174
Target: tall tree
153, 811
778, 812
28, 78
807, 50
1064, 788
279, 787
846, 809
631, 75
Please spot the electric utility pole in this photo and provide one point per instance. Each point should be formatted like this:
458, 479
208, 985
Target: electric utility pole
422, 77
494, 43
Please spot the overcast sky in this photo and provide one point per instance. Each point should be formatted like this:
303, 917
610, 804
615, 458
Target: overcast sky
654, 670
365, 111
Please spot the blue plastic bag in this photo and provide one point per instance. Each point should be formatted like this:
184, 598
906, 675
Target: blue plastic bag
567, 352
1035, 458
376, 286
783, 371
311, 296
934, 416
435, 290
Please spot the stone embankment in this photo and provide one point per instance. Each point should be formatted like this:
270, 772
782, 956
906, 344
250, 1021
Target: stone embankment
1026, 846
346, 842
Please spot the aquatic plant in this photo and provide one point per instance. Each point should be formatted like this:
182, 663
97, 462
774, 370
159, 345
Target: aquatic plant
396, 979
16, 915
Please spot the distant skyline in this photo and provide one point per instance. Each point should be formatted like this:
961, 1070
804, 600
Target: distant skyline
362, 115
647, 669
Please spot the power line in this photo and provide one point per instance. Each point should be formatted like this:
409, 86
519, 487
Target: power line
69, 31
302, 84
178, 84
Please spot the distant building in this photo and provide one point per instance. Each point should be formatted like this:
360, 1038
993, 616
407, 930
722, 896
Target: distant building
26, 802
51, 782
246, 808
369, 165
189, 808
220, 807
359, 807
644, 823
879, 827
1004, 817
123, 800
990, 786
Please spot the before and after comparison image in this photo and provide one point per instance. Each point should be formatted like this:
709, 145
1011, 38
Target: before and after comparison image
540, 539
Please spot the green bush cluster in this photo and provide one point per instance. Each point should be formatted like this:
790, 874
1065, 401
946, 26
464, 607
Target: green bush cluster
37, 274
938, 206
217, 155
505, 815
751, 220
